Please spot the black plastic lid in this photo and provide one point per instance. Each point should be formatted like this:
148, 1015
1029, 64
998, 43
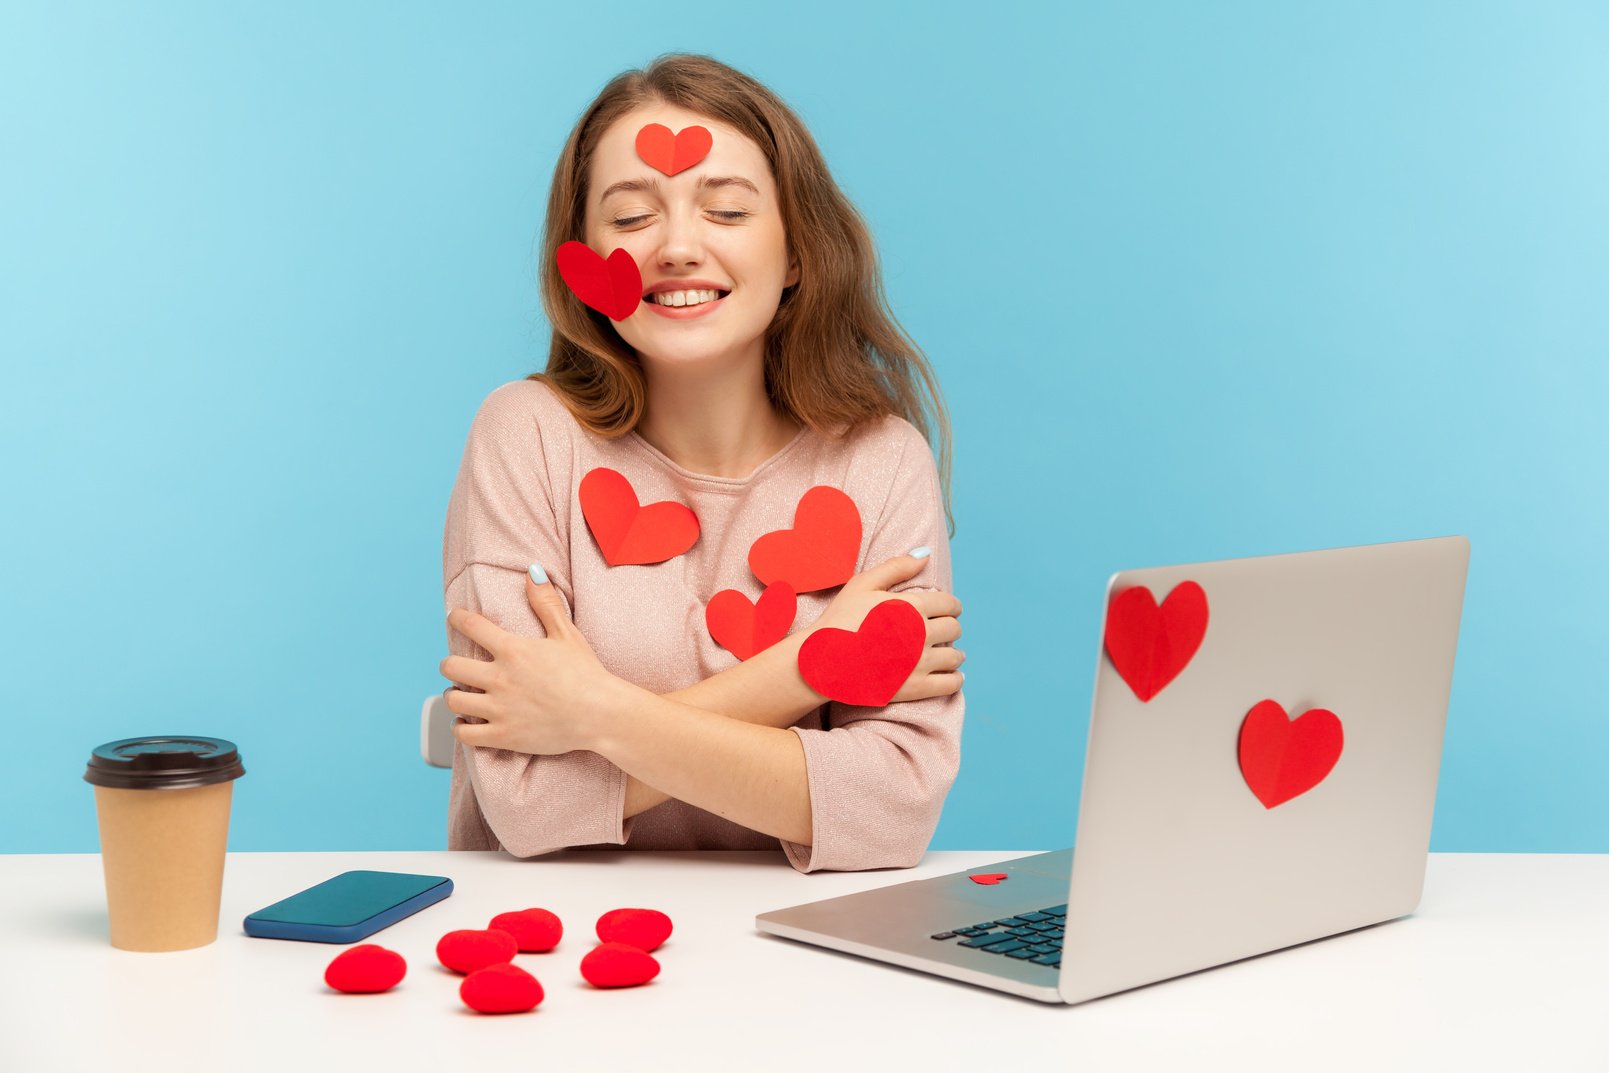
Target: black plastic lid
163, 763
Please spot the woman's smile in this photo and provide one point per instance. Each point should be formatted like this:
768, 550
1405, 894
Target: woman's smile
681, 299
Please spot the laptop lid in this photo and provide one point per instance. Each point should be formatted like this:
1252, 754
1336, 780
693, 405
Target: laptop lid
1199, 839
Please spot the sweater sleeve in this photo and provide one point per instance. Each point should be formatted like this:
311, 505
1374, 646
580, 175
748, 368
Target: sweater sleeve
502, 517
878, 776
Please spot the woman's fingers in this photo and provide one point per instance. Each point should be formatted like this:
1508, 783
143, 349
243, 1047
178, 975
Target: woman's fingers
939, 659
461, 702
478, 628
934, 603
472, 672
546, 602
886, 575
942, 631
928, 686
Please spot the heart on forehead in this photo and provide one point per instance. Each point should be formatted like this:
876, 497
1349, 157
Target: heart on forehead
866, 666
819, 552
1149, 645
1281, 757
627, 533
744, 628
613, 287
672, 153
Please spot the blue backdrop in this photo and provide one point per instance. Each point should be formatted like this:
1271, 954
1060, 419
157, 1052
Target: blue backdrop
1200, 282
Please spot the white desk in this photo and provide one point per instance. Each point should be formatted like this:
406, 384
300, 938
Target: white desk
1503, 968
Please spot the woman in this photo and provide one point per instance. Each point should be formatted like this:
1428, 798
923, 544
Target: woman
595, 706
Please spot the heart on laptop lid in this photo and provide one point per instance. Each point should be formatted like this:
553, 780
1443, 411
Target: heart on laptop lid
1281, 757
1149, 644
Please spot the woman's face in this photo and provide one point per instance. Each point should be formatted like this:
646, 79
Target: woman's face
716, 227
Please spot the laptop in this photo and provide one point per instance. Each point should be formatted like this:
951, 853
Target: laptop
1275, 785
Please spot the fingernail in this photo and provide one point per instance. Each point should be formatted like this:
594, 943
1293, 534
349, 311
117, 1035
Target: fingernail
921, 553
538, 575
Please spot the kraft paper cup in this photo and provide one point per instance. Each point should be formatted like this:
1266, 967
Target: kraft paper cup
163, 807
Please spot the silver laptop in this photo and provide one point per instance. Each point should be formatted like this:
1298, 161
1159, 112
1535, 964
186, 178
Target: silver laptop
1276, 787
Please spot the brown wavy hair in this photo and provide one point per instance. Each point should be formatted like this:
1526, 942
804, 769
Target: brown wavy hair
835, 357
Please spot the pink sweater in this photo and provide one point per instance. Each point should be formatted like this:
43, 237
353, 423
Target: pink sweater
878, 776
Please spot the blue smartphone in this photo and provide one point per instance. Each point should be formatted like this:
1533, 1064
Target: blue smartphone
349, 907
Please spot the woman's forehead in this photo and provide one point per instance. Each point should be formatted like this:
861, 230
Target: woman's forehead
730, 154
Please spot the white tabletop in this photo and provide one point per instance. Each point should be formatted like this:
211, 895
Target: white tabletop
1502, 968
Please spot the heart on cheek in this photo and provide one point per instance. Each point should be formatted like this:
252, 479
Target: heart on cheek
866, 666
613, 287
672, 153
744, 628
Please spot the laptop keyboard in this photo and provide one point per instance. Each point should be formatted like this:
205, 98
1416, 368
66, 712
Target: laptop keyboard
1034, 937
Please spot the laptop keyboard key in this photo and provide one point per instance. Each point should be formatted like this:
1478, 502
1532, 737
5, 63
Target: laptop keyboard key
943, 935
1024, 953
1053, 960
1005, 948
988, 940
1031, 917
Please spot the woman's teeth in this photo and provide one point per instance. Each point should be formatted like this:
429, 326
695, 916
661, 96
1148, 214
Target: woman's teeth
684, 298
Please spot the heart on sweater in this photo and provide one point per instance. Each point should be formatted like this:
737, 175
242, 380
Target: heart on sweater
672, 153
366, 969
613, 287
989, 879
1149, 645
743, 627
1281, 757
819, 552
867, 666
627, 533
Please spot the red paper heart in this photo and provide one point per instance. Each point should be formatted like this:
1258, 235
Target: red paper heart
629, 534
1150, 645
671, 153
535, 931
1281, 757
366, 969
646, 929
500, 989
613, 287
867, 666
744, 628
468, 949
820, 550
989, 879
618, 965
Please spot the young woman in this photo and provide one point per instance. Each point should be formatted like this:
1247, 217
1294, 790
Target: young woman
595, 706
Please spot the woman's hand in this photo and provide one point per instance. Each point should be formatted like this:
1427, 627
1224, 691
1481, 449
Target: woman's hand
542, 695
938, 673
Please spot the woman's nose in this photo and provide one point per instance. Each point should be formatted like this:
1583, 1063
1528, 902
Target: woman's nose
680, 244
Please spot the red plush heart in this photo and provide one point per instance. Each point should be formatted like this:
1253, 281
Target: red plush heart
866, 666
500, 989
468, 949
744, 628
646, 929
618, 965
820, 550
671, 153
613, 287
1150, 645
1281, 757
366, 969
629, 534
989, 879
535, 931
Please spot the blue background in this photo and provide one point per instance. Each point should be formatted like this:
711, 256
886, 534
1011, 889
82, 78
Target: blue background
1200, 282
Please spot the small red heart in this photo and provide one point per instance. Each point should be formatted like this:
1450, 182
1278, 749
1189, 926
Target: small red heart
612, 287
1281, 757
865, 666
1150, 645
744, 628
819, 552
671, 153
629, 534
500, 989
366, 969
618, 965
468, 949
646, 929
535, 931
989, 879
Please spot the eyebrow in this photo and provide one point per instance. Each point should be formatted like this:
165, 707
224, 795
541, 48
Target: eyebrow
633, 186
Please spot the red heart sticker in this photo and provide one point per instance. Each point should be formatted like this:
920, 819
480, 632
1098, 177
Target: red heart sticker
989, 879
1281, 757
1150, 645
618, 965
629, 534
500, 989
366, 969
469, 949
867, 666
819, 552
744, 628
613, 287
671, 153
535, 930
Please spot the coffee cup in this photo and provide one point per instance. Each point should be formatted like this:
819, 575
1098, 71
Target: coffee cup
163, 808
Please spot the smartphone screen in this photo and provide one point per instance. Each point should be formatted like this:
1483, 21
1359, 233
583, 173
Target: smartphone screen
348, 907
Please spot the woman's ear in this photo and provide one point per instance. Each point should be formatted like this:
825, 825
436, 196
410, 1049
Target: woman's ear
793, 274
